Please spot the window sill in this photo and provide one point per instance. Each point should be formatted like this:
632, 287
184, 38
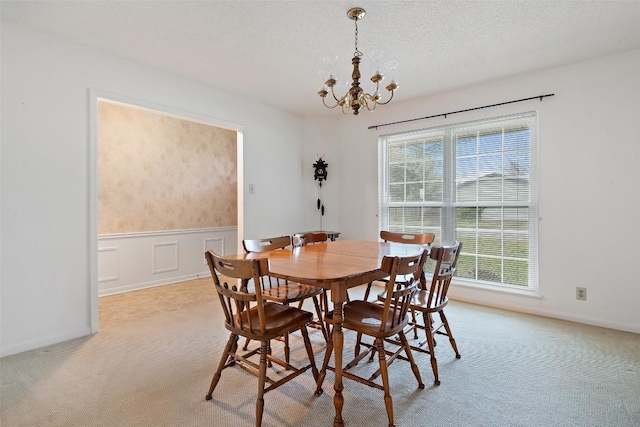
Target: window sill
530, 293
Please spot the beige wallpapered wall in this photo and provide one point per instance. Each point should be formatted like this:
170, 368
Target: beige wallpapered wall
161, 173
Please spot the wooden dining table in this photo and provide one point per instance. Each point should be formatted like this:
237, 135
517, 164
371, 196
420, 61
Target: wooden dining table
335, 266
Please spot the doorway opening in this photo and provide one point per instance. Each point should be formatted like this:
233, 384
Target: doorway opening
167, 245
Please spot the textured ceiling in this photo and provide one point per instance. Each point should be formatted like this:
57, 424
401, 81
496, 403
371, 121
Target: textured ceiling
272, 51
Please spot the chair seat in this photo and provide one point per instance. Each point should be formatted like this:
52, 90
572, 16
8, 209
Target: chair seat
419, 301
290, 292
279, 319
361, 315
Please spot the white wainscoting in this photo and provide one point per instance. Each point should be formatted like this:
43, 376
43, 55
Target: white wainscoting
132, 261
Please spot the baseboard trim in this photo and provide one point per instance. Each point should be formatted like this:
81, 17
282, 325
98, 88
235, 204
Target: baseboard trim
152, 284
44, 342
602, 323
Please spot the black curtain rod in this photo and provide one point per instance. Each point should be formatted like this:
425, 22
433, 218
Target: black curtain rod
462, 111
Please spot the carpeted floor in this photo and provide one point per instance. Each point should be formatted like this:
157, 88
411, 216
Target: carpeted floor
152, 362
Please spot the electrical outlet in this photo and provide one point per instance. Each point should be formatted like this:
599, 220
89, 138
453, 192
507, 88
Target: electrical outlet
581, 294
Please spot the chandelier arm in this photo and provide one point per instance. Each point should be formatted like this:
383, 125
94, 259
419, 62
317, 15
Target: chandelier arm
329, 106
373, 100
377, 92
388, 100
334, 95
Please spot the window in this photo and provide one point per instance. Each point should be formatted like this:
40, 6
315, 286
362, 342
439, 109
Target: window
471, 182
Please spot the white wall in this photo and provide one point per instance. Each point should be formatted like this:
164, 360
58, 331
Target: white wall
589, 173
45, 114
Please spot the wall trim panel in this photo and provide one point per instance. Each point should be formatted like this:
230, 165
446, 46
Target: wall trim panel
171, 261
219, 249
150, 259
109, 264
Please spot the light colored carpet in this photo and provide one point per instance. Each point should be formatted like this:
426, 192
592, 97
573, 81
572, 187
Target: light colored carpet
152, 362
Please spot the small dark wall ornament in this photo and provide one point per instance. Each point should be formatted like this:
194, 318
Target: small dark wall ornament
320, 174
320, 167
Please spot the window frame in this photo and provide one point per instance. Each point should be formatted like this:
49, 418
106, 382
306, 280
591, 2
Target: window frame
449, 204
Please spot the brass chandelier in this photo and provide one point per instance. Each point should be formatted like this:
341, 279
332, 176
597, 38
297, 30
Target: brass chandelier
356, 98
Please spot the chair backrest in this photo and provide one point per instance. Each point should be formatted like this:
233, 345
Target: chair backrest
303, 239
237, 303
265, 245
422, 239
409, 238
446, 261
398, 294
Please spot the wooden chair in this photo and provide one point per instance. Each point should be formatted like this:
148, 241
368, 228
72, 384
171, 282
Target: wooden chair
408, 238
303, 239
284, 291
433, 299
248, 315
381, 321
421, 239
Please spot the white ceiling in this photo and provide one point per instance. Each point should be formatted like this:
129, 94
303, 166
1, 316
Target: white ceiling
272, 51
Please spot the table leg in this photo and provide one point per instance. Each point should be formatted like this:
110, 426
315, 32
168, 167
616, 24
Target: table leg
338, 342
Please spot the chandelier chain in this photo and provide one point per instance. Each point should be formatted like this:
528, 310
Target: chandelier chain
357, 52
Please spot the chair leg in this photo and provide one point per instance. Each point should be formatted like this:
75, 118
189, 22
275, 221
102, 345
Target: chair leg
445, 322
388, 402
357, 347
307, 346
373, 353
324, 301
234, 350
413, 319
324, 304
358, 356
320, 318
287, 350
246, 344
432, 350
414, 365
325, 363
366, 293
223, 360
262, 377
427, 320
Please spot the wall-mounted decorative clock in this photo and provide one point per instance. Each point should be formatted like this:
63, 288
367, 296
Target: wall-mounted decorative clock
320, 167
320, 174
